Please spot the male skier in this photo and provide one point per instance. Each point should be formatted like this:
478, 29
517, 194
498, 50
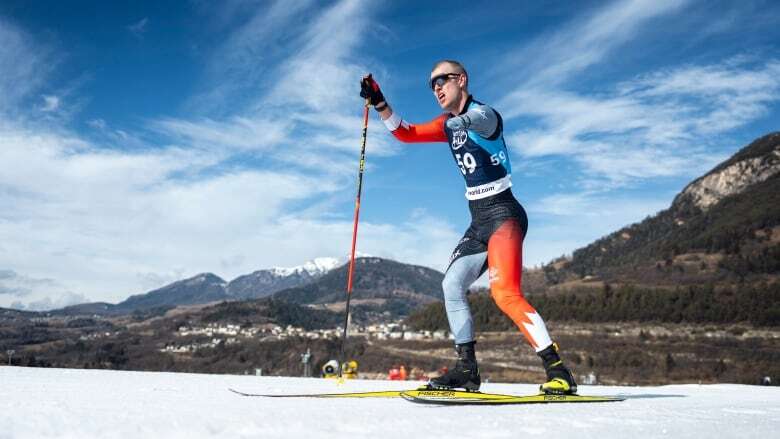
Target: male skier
494, 240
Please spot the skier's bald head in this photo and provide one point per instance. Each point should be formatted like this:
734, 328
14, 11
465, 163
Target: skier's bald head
451, 66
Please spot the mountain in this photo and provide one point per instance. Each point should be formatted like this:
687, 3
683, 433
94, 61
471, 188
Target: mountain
388, 285
8, 314
724, 227
263, 283
203, 288
88, 309
208, 287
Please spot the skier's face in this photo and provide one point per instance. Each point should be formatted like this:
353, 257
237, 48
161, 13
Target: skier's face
448, 87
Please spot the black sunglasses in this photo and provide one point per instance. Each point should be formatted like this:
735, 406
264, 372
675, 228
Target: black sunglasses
440, 80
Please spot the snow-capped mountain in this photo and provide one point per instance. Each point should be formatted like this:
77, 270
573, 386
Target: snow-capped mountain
263, 283
207, 287
315, 267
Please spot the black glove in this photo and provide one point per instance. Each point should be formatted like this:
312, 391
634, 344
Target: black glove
369, 89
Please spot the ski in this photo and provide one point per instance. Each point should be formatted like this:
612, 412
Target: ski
383, 394
425, 395
446, 397
377, 394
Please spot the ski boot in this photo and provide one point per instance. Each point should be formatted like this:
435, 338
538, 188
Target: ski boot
559, 378
464, 375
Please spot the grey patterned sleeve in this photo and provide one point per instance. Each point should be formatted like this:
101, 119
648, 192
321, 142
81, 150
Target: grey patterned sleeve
481, 119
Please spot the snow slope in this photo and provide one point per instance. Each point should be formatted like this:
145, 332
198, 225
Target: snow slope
62, 403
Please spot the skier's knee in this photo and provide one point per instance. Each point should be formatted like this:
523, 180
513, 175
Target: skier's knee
507, 300
453, 289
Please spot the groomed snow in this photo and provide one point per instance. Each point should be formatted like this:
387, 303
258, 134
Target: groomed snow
70, 403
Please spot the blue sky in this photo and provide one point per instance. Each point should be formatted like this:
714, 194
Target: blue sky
143, 142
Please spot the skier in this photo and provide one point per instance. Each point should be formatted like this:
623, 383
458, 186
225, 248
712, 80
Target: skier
493, 242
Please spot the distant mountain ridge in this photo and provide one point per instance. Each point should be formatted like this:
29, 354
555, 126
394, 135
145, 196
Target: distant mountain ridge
392, 285
208, 287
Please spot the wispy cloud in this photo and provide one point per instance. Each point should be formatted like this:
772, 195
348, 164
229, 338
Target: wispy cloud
553, 58
239, 133
712, 99
23, 66
35, 294
139, 28
321, 75
50, 103
106, 216
56, 301
651, 126
298, 102
239, 69
12, 283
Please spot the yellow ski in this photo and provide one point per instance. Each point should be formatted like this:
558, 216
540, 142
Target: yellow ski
383, 394
446, 397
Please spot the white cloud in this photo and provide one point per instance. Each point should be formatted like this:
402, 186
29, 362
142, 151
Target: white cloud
421, 239
109, 223
23, 66
139, 28
553, 58
50, 103
651, 126
713, 98
47, 303
240, 133
14, 284
34, 294
94, 220
98, 124
305, 101
654, 125
240, 67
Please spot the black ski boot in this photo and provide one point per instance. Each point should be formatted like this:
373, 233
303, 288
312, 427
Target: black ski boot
559, 378
464, 375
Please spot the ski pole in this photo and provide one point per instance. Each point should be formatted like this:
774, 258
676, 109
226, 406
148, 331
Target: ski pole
354, 235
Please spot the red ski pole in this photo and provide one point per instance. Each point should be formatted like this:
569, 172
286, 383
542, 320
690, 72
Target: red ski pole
354, 235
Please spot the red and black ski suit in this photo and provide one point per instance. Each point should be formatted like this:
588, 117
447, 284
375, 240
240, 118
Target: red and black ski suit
494, 240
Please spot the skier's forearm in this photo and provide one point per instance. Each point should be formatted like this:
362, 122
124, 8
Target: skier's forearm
432, 131
385, 112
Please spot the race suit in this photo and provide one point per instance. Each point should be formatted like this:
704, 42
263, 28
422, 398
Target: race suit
494, 240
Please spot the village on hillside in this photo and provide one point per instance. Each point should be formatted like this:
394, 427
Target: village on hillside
232, 333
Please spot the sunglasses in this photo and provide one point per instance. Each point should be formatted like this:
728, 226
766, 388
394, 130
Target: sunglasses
442, 79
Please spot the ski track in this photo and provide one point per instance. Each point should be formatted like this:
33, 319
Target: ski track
73, 403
